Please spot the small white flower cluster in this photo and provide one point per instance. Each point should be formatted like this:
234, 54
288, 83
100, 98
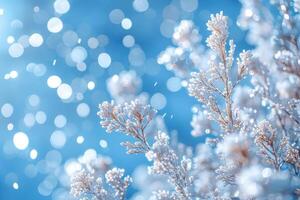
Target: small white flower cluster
87, 180
124, 87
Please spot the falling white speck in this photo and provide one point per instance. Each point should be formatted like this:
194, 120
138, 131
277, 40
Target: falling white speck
80, 139
140, 5
103, 144
126, 23
61, 6
7, 110
36, 9
10, 126
29, 120
20, 140
158, 101
58, 139
93, 43
60, 121
116, 16
15, 185
83, 110
13, 74
104, 60
78, 54
34, 100
91, 85
54, 25
128, 41
64, 91
53, 81
174, 84
33, 154
36, 40
10, 39
16, 50
40, 117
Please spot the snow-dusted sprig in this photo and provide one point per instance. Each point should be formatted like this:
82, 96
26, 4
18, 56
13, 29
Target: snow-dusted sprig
85, 185
130, 118
278, 32
276, 148
218, 26
204, 85
114, 178
166, 162
267, 141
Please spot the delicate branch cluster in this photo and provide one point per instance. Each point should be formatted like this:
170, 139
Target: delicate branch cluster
85, 185
204, 85
166, 162
276, 149
255, 151
219, 33
114, 178
82, 183
130, 118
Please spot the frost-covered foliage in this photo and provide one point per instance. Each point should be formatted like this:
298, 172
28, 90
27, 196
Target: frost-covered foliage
84, 185
253, 151
89, 175
188, 54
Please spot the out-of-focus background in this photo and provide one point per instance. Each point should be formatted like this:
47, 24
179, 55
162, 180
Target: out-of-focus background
55, 59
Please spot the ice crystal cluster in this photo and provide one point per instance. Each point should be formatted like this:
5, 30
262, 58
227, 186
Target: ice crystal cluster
248, 112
